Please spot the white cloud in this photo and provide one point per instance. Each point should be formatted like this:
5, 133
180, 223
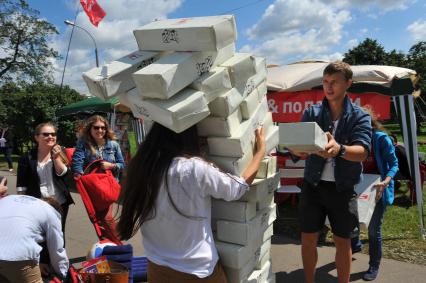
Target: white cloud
292, 27
385, 5
418, 30
114, 35
352, 43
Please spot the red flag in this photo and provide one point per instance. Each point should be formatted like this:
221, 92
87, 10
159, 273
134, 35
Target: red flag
93, 10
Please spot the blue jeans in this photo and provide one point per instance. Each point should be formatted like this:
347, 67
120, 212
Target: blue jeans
375, 234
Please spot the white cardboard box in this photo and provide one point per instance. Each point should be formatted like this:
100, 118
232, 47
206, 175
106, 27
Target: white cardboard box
272, 138
260, 76
226, 103
267, 201
241, 68
236, 256
220, 127
172, 73
245, 233
260, 276
302, 136
233, 210
233, 165
236, 146
249, 105
133, 100
260, 188
262, 261
214, 83
187, 34
114, 78
238, 275
178, 113
267, 168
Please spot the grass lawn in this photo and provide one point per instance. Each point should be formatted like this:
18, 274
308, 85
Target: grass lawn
400, 230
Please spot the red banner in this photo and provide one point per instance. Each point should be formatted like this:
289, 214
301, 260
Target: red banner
289, 106
93, 10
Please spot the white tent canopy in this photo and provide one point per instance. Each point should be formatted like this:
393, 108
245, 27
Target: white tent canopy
386, 80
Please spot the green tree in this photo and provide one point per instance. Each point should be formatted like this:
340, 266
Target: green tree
417, 62
26, 55
35, 103
397, 59
368, 52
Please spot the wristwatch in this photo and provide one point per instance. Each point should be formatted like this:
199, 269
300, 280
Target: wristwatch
342, 151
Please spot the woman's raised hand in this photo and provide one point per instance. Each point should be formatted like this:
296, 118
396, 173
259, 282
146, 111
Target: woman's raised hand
260, 141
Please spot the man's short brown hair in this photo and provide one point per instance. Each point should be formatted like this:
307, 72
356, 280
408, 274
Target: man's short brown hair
339, 67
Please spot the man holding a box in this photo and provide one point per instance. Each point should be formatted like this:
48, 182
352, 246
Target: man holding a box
331, 174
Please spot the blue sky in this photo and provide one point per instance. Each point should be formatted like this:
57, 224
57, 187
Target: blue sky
283, 31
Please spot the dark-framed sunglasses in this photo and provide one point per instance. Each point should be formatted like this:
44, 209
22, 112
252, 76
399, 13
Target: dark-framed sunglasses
97, 128
47, 134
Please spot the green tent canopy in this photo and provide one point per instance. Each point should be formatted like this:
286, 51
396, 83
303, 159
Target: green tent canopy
89, 106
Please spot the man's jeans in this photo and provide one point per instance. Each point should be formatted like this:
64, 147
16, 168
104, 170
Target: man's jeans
375, 234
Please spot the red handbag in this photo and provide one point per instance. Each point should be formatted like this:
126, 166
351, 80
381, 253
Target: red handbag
101, 186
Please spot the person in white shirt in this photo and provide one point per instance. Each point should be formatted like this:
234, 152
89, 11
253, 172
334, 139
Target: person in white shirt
30, 221
167, 194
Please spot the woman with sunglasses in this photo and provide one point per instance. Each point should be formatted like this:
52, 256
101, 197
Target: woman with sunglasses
97, 141
43, 173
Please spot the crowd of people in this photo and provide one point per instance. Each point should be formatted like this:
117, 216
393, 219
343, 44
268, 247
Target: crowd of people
169, 185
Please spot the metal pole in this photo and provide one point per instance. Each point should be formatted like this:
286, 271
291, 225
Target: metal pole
88, 33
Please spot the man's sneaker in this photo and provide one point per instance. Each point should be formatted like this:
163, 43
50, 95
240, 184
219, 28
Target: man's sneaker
10, 169
371, 274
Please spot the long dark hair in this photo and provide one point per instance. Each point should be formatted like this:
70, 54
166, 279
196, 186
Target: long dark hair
147, 171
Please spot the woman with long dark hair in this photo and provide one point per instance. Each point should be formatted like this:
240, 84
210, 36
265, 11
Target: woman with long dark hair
167, 194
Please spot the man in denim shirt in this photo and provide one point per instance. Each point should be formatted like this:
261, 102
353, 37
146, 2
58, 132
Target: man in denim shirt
330, 175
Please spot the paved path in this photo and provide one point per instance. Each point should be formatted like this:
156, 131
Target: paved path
286, 259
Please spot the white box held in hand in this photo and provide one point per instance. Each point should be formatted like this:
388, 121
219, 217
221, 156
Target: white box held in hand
178, 113
214, 83
172, 73
240, 275
302, 136
114, 78
220, 127
187, 34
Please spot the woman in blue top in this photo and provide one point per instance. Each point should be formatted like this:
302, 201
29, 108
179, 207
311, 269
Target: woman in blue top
98, 142
386, 164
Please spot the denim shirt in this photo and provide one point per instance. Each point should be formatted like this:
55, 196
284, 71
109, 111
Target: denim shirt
83, 156
354, 128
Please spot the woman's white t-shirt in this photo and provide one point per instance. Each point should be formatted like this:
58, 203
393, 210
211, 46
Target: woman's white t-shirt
184, 243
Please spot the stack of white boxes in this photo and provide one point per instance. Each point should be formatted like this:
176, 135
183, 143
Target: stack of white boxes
186, 72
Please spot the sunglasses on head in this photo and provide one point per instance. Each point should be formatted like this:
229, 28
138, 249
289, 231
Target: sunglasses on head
48, 134
97, 128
